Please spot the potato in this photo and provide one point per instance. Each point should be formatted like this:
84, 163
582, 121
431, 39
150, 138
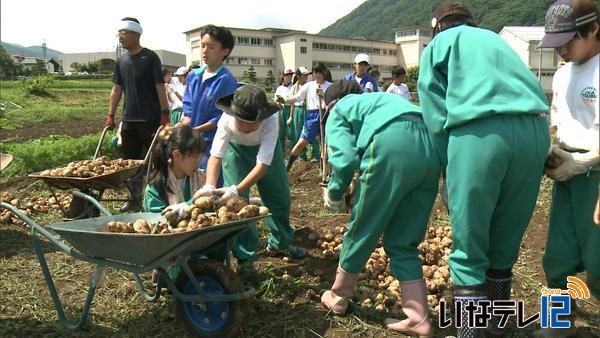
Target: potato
248, 211
193, 225
165, 231
213, 220
203, 220
236, 204
205, 203
263, 211
194, 212
141, 226
227, 217
182, 224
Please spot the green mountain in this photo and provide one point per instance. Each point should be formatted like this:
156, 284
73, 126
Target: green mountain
379, 19
34, 51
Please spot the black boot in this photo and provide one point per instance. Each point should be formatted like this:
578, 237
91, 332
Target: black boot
466, 301
290, 162
498, 284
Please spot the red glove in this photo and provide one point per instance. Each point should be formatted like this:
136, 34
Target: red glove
165, 117
110, 122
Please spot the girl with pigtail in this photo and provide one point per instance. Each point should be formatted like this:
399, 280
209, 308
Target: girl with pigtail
174, 177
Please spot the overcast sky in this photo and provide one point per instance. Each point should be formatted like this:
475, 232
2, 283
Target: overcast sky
90, 26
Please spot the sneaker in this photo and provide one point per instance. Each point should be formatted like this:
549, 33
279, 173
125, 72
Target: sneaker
246, 267
291, 251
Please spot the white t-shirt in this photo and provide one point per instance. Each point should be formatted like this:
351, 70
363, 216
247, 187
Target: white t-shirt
308, 94
265, 137
179, 88
401, 90
295, 89
283, 90
575, 105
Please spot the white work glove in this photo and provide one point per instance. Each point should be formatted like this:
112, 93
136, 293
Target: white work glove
206, 191
230, 193
331, 204
572, 164
368, 87
176, 212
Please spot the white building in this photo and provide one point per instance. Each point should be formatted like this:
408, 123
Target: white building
273, 49
524, 41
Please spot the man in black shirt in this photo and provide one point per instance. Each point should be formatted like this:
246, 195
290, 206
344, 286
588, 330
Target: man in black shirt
137, 74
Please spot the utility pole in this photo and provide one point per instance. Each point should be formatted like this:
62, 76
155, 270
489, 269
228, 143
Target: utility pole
44, 49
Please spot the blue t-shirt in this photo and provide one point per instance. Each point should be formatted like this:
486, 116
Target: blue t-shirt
200, 97
364, 80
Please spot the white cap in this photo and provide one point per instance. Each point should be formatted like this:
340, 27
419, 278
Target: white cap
303, 70
181, 71
362, 57
288, 71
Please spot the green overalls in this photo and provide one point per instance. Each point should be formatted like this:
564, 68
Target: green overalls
486, 114
384, 138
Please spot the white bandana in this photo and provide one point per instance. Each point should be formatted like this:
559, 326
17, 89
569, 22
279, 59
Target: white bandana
128, 25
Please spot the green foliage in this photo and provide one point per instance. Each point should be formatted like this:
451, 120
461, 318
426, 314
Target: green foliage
53, 151
37, 86
378, 19
7, 65
412, 77
90, 67
252, 75
39, 68
244, 78
269, 81
67, 100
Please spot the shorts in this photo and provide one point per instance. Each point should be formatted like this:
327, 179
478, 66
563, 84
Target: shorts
312, 126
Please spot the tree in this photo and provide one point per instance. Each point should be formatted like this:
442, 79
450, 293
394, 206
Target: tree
76, 66
244, 78
269, 81
39, 68
7, 65
251, 75
412, 77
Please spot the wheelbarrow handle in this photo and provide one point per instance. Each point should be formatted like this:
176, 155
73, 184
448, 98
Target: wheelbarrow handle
93, 201
99, 146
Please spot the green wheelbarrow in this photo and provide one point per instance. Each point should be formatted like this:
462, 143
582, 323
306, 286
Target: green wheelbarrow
210, 299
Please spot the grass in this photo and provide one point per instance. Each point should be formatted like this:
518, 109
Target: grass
66, 100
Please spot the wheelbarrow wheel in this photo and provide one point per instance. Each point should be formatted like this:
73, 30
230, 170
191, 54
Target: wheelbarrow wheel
211, 319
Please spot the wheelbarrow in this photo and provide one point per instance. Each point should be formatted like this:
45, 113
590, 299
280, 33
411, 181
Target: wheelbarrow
210, 299
94, 186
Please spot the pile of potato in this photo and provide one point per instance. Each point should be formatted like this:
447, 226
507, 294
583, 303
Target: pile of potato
31, 205
378, 288
140, 226
90, 168
201, 214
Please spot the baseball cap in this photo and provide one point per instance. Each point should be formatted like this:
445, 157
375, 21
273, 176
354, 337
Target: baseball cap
181, 71
562, 23
288, 71
362, 57
303, 70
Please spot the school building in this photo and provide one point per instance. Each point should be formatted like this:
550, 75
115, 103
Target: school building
274, 49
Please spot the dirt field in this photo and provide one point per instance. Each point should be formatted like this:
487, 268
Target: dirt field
283, 306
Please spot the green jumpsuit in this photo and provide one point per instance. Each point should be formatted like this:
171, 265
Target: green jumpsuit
486, 114
283, 116
274, 192
384, 138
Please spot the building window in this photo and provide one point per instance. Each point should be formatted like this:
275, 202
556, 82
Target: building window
268, 42
302, 40
229, 60
243, 61
255, 41
268, 62
255, 61
195, 43
303, 50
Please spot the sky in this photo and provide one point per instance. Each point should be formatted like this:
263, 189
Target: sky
86, 26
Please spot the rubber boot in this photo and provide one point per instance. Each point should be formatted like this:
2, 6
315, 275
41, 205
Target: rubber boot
498, 284
465, 297
560, 332
415, 307
336, 299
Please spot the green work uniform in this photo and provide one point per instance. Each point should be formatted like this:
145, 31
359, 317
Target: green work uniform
486, 114
176, 115
573, 239
283, 116
274, 192
384, 138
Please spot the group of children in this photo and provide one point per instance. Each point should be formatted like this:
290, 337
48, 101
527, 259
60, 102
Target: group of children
485, 131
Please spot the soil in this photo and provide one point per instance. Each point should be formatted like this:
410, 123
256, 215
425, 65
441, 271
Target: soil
73, 128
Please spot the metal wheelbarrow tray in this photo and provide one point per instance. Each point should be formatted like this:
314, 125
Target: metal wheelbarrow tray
138, 253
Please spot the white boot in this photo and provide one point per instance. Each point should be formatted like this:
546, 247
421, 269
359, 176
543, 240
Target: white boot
336, 299
414, 306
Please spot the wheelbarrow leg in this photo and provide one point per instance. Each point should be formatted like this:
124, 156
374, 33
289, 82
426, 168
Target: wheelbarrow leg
94, 282
147, 296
